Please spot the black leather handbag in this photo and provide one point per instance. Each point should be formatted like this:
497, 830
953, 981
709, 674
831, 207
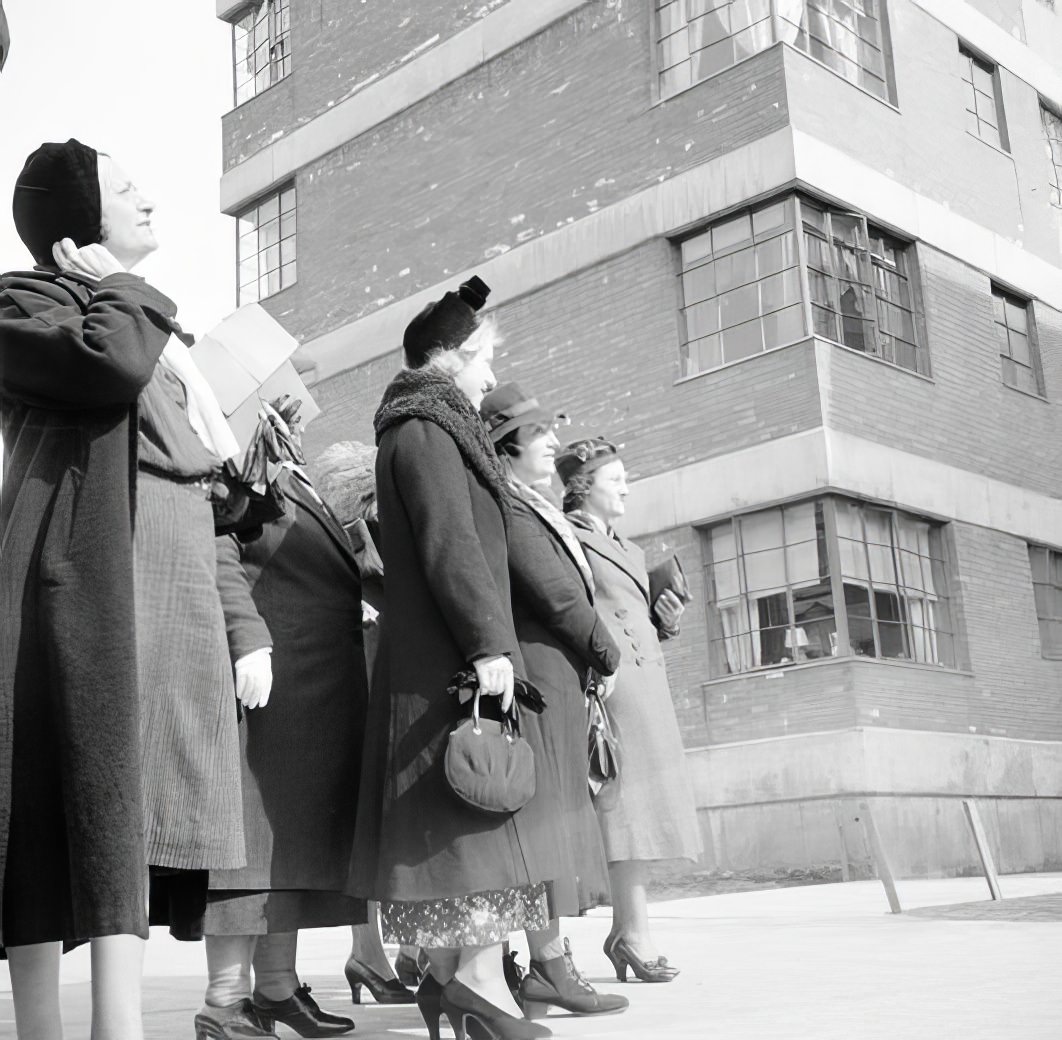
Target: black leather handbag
601, 743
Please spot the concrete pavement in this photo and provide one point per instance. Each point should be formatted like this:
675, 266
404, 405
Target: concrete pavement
824, 962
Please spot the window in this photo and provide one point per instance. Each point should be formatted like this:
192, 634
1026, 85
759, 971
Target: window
1053, 145
1046, 566
742, 286
827, 578
1017, 348
984, 106
261, 48
265, 253
698, 38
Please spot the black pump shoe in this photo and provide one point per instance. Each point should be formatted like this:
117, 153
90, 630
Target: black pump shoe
558, 982
237, 1021
301, 1013
384, 991
429, 1001
472, 1016
411, 970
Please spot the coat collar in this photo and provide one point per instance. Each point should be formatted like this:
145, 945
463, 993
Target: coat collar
612, 547
299, 489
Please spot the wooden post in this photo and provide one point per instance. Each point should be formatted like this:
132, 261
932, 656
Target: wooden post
973, 817
877, 850
838, 819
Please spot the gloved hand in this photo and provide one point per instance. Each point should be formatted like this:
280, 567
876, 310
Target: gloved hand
495, 675
669, 609
92, 260
369, 615
607, 685
254, 678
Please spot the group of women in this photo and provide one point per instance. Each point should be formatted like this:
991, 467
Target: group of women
187, 734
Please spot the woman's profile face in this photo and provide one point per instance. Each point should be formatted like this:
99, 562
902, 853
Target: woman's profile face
125, 215
538, 450
476, 379
609, 489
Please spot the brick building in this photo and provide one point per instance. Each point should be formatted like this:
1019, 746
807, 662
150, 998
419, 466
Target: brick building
803, 259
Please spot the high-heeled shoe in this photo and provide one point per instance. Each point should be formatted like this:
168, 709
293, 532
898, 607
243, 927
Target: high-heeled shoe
384, 991
429, 1001
410, 970
472, 1016
619, 952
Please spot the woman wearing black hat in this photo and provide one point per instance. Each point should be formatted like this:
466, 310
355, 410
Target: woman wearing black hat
562, 639
450, 878
120, 740
650, 815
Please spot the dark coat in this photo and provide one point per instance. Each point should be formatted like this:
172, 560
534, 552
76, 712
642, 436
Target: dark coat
561, 637
74, 356
446, 603
298, 583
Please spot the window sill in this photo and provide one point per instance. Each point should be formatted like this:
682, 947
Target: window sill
778, 671
742, 361
888, 103
879, 360
255, 97
989, 144
1026, 393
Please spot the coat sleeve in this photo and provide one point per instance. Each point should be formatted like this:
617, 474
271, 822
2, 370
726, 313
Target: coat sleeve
53, 354
244, 626
432, 483
550, 591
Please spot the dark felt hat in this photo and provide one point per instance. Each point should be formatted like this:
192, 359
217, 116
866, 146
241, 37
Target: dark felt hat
508, 407
584, 457
445, 324
57, 195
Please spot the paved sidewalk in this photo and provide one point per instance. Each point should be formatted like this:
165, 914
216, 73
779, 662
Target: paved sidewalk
823, 962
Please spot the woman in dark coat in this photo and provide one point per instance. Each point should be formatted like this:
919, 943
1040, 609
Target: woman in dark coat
451, 879
650, 815
76, 349
562, 640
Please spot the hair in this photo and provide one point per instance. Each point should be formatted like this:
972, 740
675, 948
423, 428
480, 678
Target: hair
451, 360
577, 489
345, 477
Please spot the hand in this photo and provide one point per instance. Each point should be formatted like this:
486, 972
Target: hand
254, 678
669, 609
606, 686
495, 675
93, 260
369, 615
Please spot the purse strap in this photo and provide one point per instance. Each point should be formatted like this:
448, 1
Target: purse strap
509, 722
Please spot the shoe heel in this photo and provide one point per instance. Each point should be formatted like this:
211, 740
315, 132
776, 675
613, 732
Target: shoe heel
619, 965
534, 1010
355, 992
268, 1024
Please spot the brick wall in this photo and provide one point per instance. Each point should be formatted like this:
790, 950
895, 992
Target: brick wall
552, 130
966, 417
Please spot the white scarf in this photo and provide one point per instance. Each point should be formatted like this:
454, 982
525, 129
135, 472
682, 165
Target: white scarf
204, 412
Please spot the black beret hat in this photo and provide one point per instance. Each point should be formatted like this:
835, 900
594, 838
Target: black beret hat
444, 324
57, 195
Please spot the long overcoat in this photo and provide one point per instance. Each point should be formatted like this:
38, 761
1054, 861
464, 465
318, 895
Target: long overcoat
651, 814
446, 603
301, 754
561, 637
74, 356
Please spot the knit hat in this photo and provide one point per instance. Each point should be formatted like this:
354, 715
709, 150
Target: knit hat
444, 324
508, 407
584, 457
57, 195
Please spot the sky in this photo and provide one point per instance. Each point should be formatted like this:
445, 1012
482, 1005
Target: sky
148, 85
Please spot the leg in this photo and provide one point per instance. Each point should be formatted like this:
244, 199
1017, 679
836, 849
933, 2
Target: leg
442, 963
480, 969
547, 944
229, 968
367, 948
35, 990
117, 967
274, 965
630, 906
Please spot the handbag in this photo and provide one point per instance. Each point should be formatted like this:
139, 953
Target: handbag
601, 743
488, 765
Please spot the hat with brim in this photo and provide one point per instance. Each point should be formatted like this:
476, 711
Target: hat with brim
508, 407
584, 457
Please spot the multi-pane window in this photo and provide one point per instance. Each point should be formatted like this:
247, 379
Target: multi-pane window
261, 47
984, 107
1017, 347
266, 246
743, 286
698, 38
827, 578
1053, 143
1046, 566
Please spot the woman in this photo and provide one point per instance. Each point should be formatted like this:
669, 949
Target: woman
76, 349
650, 815
450, 878
561, 640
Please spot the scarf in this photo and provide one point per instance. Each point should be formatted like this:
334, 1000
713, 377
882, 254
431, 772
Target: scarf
422, 393
557, 522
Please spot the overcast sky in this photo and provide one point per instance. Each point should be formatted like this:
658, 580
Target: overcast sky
147, 82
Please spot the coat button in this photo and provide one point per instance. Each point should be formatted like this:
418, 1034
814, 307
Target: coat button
628, 631
639, 661
622, 613
635, 647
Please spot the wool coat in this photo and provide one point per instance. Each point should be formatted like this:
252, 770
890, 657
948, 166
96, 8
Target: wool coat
74, 356
446, 603
561, 637
297, 586
650, 815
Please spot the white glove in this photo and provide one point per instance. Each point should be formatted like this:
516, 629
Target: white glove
608, 684
495, 676
254, 678
369, 614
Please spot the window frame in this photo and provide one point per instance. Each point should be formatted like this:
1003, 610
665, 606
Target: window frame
278, 67
1053, 147
280, 193
942, 637
1047, 650
974, 59
1035, 368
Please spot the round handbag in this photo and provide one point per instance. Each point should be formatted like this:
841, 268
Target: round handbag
488, 765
